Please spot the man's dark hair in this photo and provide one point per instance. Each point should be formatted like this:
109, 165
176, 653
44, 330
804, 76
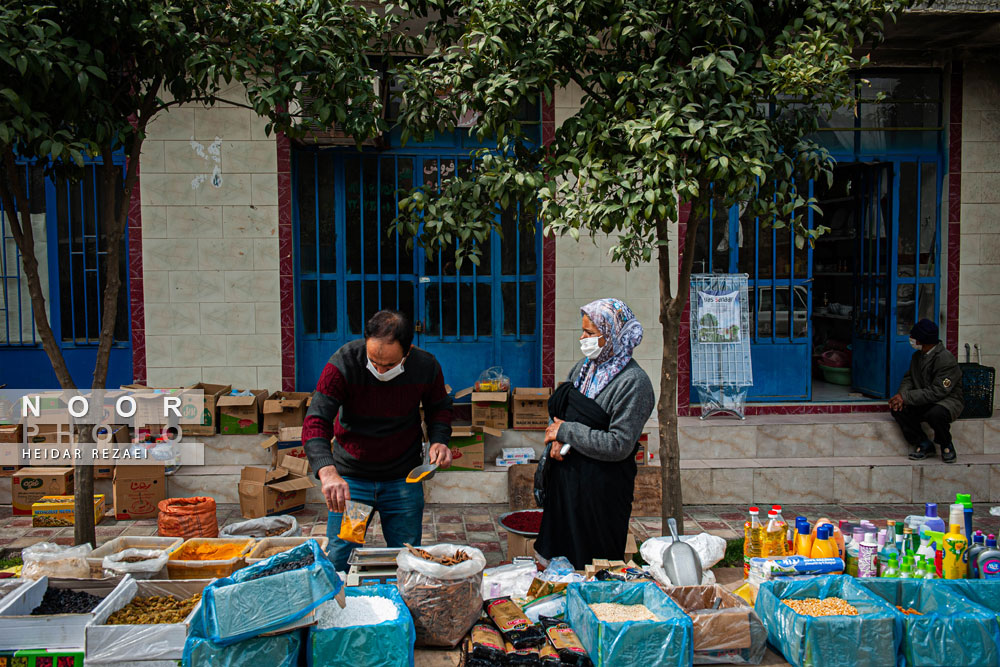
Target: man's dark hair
390, 325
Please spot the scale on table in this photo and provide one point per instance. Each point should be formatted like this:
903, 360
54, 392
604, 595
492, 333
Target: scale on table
370, 565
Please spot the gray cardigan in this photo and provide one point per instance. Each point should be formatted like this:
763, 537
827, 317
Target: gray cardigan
629, 399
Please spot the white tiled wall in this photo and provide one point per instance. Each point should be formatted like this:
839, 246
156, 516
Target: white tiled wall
979, 281
210, 254
585, 272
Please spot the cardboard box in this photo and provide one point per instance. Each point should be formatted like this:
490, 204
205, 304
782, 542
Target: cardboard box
210, 412
30, 484
288, 441
137, 489
468, 451
285, 409
149, 407
53, 416
489, 408
530, 408
240, 415
265, 492
49, 511
11, 433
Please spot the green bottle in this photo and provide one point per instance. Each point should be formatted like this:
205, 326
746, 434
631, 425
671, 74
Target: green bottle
921, 571
906, 569
892, 569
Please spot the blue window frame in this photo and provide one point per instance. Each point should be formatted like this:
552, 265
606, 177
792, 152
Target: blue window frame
350, 261
71, 247
887, 198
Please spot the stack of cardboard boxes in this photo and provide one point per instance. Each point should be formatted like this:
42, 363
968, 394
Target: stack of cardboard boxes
265, 492
240, 414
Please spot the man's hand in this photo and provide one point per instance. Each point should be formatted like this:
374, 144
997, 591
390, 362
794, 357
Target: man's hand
896, 403
554, 452
552, 431
439, 454
335, 489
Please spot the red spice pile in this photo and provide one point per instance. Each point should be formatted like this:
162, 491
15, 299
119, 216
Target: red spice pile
525, 522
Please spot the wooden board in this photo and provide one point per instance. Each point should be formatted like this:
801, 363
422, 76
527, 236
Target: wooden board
521, 481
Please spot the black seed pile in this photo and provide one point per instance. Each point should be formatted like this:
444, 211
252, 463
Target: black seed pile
305, 561
65, 601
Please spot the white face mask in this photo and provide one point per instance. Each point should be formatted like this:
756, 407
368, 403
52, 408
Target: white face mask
590, 347
914, 344
393, 372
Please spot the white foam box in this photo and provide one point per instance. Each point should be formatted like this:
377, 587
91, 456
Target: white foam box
20, 630
125, 643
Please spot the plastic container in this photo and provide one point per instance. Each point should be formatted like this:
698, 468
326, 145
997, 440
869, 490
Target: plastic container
289, 542
824, 547
955, 544
836, 536
752, 540
386, 644
854, 549
891, 569
867, 565
110, 547
977, 544
889, 549
932, 522
956, 517
774, 535
988, 561
803, 538
208, 569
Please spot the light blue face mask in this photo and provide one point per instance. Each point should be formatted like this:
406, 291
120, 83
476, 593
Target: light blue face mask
393, 372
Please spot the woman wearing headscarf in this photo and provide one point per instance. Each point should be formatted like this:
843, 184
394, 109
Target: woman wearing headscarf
599, 413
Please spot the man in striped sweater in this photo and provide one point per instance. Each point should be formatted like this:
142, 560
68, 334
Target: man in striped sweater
367, 403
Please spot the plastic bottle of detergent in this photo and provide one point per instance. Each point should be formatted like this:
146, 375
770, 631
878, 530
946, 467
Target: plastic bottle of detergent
752, 547
835, 535
824, 546
965, 500
988, 562
954, 546
977, 544
854, 550
956, 517
867, 564
906, 569
920, 572
931, 520
891, 570
803, 538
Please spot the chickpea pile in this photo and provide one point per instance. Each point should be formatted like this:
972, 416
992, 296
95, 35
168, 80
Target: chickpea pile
824, 607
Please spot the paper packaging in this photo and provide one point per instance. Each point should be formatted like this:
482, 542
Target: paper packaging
531, 408
137, 489
468, 451
288, 441
210, 413
52, 410
128, 643
240, 415
11, 433
149, 405
49, 511
263, 492
285, 409
489, 408
30, 484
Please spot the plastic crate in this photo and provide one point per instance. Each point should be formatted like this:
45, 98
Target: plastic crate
96, 557
207, 569
289, 542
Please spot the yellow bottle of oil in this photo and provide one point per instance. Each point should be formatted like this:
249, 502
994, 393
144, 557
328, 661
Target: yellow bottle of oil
752, 540
775, 542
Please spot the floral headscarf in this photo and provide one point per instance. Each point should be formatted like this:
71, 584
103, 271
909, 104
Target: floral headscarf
622, 333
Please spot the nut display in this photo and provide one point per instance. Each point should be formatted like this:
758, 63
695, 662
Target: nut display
824, 607
65, 601
154, 610
610, 612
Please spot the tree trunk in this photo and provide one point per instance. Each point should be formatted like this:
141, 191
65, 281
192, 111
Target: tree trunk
671, 502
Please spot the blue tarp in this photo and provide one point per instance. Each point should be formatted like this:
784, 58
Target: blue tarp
278, 651
386, 644
950, 630
642, 643
870, 639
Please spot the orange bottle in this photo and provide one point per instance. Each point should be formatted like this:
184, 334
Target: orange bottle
835, 535
823, 545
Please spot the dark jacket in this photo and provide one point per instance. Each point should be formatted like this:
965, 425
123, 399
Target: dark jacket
934, 377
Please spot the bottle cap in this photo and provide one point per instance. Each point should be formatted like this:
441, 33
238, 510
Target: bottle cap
965, 499
754, 510
890, 522
899, 528
859, 533
930, 509
893, 560
823, 532
771, 514
954, 528
802, 526
870, 539
881, 538
991, 540
776, 508
978, 537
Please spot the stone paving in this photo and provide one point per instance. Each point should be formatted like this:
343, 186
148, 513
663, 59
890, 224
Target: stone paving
477, 524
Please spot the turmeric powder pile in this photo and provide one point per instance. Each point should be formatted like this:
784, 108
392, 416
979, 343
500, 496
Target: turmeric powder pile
208, 551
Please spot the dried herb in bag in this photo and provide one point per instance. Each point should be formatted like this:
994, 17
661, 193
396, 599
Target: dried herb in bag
444, 600
565, 642
354, 522
514, 625
522, 657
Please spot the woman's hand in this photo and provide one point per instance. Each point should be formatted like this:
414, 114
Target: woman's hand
554, 452
552, 430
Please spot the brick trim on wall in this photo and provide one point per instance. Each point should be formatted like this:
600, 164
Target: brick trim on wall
286, 283
136, 293
548, 271
954, 214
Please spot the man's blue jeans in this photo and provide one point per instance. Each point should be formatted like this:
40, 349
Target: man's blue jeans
400, 507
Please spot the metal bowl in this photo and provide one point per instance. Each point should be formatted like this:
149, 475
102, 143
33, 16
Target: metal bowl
501, 518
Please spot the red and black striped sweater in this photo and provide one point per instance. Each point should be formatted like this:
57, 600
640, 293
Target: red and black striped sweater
375, 425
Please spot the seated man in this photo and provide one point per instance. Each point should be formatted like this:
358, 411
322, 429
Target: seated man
931, 391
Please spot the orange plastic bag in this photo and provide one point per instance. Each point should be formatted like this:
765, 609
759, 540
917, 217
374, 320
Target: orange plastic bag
354, 523
188, 517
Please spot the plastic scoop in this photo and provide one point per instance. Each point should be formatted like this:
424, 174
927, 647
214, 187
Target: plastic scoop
421, 473
680, 561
